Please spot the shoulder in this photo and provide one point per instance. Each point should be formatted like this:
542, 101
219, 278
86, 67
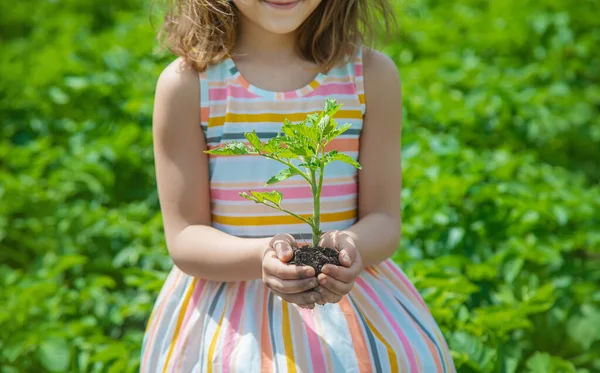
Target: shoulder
177, 97
178, 81
381, 77
378, 63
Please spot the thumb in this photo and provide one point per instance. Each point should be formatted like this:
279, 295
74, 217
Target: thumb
348, 250
347, 254
345, 258
283, 248
284, 251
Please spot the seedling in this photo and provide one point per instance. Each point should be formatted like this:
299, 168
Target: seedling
301, 148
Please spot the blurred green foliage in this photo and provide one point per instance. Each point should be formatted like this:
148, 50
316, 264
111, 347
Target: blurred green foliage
501, 201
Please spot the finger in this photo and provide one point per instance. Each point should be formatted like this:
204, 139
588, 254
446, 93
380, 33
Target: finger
335, 286
309, 306
342, 274
328, 296
329, 240
345, 259
347, 248
290, 286
307, 297
348, 253
282, 244
275, 267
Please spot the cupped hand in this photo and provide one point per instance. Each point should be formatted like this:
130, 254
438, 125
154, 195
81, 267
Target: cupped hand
337, 281
294, 284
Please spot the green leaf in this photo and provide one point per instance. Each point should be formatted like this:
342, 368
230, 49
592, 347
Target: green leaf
311, 120
312, 164
333, 132
542, 300
272, 146
510, 364
512, 268
231, 148
275, 197
334, 155
252, 137
110, 352
284, 174
118, 366
479, 356
455, 235
331, 106
288, 128
584, 329
55, 354
541, 362
286, 154
324, 123
67, 262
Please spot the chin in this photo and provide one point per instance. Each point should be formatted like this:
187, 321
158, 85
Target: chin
277, 16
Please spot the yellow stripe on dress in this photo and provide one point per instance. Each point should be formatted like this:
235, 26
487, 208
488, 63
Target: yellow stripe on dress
213, 344
280, 219
287, 338
182, 311
275, 117
391, 354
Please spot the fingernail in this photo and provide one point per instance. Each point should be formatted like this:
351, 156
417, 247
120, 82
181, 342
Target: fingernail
313, 298
323, 280
312, 284
310, 272
325, 269
346, 258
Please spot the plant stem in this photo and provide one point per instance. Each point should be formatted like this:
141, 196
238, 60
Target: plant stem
316, 210
288, 212
319, 189
297, 216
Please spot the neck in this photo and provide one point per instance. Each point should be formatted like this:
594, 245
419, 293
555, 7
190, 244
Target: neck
257, 43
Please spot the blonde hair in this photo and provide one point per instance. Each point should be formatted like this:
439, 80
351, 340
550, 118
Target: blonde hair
203, 32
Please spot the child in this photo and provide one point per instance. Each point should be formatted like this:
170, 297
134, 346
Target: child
231, 303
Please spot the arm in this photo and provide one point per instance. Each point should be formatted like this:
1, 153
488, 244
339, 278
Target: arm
183, 187
377, 232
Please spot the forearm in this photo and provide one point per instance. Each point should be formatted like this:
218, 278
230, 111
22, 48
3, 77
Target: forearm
376, 236
208, 253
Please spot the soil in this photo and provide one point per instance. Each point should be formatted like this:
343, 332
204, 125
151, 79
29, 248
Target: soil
315, 257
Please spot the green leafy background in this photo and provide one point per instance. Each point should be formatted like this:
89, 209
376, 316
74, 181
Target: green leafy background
501, 201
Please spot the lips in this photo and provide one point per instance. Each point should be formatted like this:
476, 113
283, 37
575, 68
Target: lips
282, 4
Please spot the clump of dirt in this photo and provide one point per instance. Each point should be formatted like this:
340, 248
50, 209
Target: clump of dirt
315, 257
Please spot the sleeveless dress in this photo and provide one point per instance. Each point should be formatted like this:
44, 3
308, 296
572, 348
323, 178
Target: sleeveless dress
197, 325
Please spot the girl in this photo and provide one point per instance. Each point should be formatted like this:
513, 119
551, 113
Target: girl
231, 303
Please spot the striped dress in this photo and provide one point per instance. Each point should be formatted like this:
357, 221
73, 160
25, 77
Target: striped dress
197, 325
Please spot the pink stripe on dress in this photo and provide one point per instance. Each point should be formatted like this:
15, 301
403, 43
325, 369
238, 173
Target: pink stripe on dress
288, 95
405, 343
188, 313
230, 92
316, 352
230, 337
358, 70
405, 281
333, 89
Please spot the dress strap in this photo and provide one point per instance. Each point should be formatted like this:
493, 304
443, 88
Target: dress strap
359, 81
204, 100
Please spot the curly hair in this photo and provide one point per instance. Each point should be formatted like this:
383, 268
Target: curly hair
203, 32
